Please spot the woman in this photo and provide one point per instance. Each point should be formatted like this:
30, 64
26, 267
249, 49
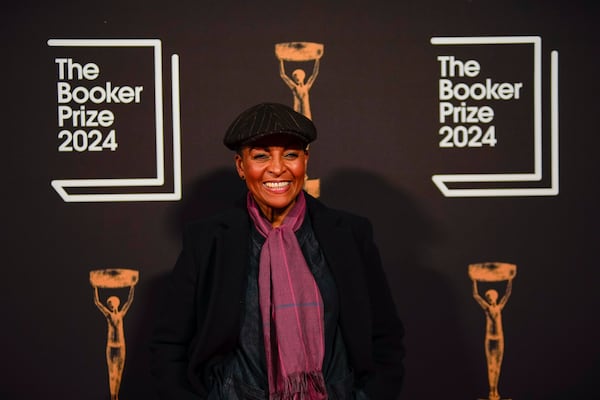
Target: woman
282, 297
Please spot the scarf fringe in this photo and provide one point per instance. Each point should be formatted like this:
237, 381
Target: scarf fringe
302, 386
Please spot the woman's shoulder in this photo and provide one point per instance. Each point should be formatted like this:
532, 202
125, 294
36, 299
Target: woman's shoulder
319, 210
225, 219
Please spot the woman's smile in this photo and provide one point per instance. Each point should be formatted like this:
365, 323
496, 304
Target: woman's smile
278, 187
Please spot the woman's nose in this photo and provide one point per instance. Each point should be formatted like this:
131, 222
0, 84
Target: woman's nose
277, 165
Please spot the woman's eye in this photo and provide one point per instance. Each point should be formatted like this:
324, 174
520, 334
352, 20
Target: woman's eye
259, 156
291, 156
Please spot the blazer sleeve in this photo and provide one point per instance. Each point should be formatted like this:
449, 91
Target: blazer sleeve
387, 330
175, 328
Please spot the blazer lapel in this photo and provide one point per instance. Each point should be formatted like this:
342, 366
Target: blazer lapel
231, 266
342, 254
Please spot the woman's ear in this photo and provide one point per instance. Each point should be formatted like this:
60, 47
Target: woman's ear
239, 166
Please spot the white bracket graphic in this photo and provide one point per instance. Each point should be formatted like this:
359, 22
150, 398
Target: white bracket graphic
442, 181
62, 186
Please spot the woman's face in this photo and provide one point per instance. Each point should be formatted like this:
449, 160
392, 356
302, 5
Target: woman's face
274, 169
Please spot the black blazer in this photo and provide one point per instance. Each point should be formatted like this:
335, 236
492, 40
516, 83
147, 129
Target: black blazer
200, 321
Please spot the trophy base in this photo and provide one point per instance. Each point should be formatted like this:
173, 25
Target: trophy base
485, 398
313, 187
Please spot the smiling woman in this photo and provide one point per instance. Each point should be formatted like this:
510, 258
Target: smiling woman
281, 298
274, 169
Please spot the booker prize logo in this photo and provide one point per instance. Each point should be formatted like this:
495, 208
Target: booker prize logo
109, 107
490, 117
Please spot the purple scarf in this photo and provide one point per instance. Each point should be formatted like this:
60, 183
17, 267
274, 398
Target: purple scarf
291, 309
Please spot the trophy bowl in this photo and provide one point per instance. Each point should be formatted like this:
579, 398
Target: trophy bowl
492, 271
299, 51
114, 278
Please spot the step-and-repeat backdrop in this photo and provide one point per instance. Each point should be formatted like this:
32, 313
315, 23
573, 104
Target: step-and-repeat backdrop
465, 130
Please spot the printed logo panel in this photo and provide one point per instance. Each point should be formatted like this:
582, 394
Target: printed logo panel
110, 121
490, 117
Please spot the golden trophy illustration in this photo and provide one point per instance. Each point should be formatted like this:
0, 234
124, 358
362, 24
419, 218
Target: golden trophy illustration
494, 333
299, 84
115, 344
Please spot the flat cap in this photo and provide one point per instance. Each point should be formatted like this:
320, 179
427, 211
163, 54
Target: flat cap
267, 119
